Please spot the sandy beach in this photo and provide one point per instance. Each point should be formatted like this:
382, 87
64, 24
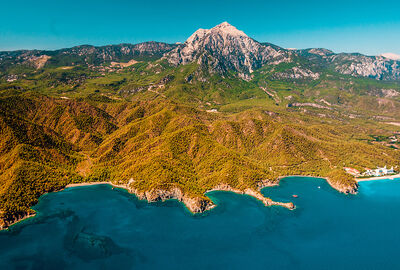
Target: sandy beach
385, 177
96, 183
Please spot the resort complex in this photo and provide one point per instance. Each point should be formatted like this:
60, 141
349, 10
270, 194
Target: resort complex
379, 172
371, 172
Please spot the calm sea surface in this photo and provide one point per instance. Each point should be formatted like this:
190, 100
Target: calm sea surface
96, 227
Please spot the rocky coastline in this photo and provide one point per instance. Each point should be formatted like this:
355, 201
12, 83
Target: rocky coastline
344, 188
256, 194
195, 204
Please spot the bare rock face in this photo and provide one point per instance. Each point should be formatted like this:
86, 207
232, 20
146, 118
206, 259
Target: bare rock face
358, 65
197, 204
377, 67
39, 61
194, 204
225, 48
297, 73
351, 188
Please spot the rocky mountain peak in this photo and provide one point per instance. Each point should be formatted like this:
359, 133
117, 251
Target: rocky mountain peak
226, 29
223, 48
223, 30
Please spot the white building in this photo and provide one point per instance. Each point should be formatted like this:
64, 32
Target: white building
379, 171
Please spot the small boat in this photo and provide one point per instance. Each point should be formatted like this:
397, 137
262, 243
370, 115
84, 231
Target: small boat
319, 187
295, 196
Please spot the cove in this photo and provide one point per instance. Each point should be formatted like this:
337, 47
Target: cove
97, 227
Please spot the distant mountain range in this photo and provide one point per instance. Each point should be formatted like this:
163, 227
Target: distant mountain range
222, 49
84, 55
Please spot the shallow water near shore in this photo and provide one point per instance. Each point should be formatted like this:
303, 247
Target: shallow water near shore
97, 227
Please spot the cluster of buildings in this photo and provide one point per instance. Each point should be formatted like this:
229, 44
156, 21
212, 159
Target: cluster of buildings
378, 172
369, 172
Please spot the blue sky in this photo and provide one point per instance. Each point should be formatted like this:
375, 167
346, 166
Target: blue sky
370, 27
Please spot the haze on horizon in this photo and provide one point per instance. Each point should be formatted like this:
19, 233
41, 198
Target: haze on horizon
342, 26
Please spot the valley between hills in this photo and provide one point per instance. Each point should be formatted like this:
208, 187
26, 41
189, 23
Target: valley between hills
218, 112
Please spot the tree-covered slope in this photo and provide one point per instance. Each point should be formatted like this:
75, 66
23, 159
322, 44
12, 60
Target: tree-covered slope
161, 149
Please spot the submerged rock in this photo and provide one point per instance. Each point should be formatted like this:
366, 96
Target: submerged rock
89, 246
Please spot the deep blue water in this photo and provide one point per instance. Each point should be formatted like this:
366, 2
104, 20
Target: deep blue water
96, 227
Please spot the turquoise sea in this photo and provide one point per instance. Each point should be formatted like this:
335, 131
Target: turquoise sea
97, 227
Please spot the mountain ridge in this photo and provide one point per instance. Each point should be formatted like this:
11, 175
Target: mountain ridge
221, 49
